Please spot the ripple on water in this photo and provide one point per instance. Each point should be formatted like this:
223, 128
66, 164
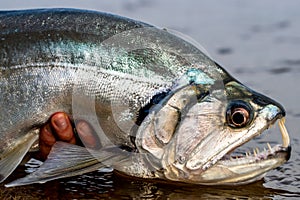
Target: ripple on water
224, 51
280, 70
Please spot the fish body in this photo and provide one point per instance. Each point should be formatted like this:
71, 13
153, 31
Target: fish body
157, 103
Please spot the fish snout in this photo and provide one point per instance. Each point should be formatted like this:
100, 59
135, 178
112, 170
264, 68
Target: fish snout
274, 109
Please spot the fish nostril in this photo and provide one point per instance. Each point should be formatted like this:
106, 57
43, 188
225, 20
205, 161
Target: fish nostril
263, 101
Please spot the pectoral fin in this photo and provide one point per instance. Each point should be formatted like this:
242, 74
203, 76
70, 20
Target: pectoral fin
66, 160
10, 159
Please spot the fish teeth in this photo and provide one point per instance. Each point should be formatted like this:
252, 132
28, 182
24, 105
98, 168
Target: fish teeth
254, 152
269, 146
284, 133
271, 125
257, 150
265, 149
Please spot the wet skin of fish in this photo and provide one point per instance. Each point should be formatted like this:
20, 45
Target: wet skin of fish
160, 108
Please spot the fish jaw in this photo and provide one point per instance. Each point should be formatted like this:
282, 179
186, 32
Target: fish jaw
207, 163
238, 170
249, 168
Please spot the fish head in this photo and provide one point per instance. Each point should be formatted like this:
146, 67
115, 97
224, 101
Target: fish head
193, 135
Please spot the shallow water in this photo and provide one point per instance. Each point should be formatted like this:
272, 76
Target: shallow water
258, 42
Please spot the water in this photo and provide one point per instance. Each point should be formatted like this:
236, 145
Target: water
258, 42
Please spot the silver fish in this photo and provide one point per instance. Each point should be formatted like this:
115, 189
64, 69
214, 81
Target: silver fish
160, 108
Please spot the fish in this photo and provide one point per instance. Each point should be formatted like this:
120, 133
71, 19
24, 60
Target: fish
159, 107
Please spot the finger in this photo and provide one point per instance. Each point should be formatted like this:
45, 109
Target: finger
62, 127
46, 135
87, 135
46, 141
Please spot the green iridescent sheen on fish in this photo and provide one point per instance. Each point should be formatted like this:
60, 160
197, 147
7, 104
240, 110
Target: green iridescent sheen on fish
160, 108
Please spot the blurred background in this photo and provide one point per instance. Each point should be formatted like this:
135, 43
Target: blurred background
257, 41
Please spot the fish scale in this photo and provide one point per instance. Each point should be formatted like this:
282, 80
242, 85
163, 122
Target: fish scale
129, 80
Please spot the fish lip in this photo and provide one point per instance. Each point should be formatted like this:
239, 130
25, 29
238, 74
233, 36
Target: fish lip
287, 151
277, 151
247, 169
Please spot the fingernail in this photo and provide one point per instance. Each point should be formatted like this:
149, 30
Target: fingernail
60, 121
86, 135
84, 128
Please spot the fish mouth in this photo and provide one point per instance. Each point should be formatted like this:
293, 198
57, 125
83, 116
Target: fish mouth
267, 152
250, 167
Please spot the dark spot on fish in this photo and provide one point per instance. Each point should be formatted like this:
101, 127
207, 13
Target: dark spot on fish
143, 112
224, 51
280, 70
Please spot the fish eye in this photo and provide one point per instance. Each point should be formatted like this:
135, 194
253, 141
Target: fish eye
238, 114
